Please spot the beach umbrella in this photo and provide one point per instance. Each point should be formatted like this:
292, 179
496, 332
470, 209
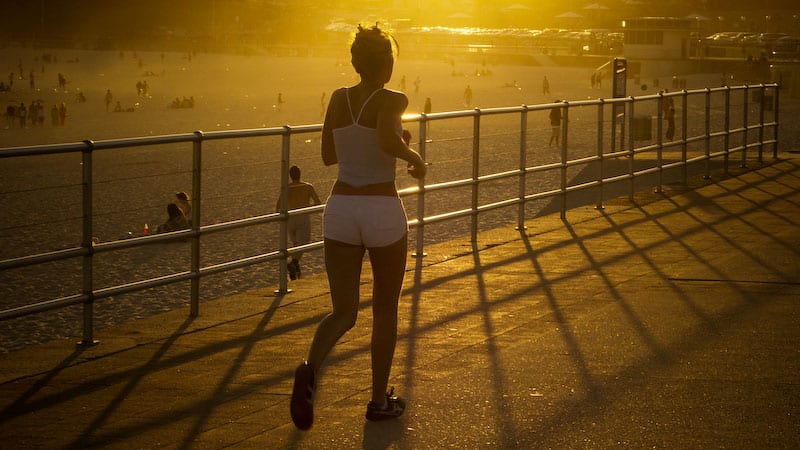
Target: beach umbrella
569, 15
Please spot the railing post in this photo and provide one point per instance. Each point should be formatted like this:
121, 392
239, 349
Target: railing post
707, 175
727, 138
631, 168
523, 163
745, 107
423, 140
684, 136
600, 171
197, 170
283, 244
761, 124
660, 142
776, 115
86, 243
476, 141
564, 133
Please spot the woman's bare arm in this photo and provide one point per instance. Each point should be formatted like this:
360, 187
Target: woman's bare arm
392, 143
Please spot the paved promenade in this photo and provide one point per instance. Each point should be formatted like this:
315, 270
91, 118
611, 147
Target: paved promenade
670, 321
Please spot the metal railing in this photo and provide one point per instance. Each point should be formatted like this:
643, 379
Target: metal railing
592, 140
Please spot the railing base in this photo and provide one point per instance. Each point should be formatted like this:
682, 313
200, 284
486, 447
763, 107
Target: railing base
90, 343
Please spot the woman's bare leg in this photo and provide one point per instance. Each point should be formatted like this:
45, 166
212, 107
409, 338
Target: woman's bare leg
343, 264
388, 269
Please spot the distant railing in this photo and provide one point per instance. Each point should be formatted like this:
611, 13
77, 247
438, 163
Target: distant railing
592, 146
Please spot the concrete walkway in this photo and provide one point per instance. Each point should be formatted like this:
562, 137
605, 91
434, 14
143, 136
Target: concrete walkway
669, 321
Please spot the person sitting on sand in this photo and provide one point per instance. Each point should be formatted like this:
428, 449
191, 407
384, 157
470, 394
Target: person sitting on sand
182, 200
175, 222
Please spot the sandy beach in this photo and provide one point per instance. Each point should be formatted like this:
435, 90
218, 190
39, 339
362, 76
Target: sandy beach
40, 196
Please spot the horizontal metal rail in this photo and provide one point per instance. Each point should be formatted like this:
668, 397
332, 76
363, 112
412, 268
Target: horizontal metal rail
748, 135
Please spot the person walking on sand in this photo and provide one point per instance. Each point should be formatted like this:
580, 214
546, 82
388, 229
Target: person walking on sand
362, 133
279, 102
109, 98
545, 86
555, 124
299, 195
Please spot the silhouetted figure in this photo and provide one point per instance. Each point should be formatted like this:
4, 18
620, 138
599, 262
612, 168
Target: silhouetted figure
300, 195
109, 98
182, 200
555, 124
176, 220
361, 134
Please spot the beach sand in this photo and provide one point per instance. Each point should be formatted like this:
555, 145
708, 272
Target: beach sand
40, 196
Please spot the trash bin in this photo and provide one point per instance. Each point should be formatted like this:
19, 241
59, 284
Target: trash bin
642, 127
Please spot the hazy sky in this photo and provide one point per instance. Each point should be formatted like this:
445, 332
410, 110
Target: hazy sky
297, 19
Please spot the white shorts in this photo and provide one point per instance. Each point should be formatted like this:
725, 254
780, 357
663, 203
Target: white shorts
368, 220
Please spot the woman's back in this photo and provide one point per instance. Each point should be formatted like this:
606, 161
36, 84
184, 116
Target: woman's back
355, 135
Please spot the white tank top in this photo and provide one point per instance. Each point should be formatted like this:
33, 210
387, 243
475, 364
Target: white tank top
361, 161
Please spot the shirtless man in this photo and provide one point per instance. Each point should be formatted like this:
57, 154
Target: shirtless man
300, 195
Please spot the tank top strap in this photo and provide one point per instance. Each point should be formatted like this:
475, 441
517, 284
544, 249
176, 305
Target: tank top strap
364, 105
349, 106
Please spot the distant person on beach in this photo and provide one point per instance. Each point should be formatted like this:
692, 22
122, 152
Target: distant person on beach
468, 96
362, 133
670, 133
668, 114
555, 124
62, 114
427, 110
545, 86
300, 195
279, 102
40, 116
22, 115
175, 220
182, 200
109, 98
